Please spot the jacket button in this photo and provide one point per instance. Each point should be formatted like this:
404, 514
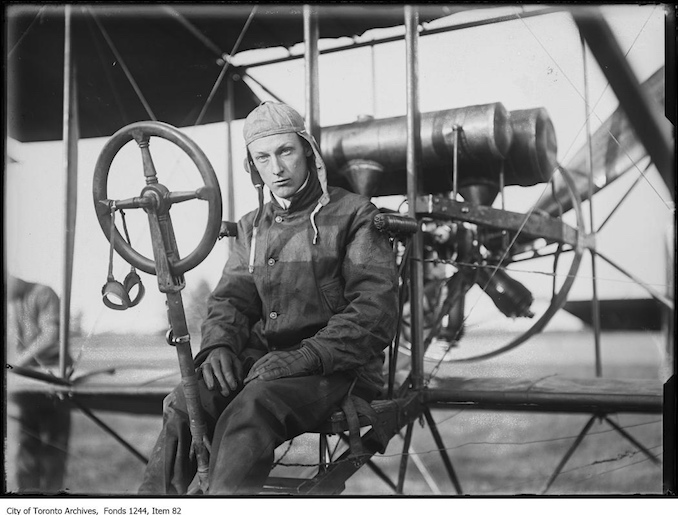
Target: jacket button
278, 219
273, 315
271, 261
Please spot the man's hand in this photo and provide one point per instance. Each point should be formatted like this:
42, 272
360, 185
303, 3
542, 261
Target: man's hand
223, 370
276, 364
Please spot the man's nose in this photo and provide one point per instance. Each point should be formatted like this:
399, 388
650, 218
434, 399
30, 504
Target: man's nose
277, 166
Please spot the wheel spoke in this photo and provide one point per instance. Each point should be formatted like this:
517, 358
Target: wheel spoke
182, 196
130, 203
628, 192
661, 298
535, 255
149, 167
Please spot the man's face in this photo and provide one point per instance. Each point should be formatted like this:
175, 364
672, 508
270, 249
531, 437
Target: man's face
281, 162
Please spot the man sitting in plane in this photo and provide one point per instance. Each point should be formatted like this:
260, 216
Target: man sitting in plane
305, 306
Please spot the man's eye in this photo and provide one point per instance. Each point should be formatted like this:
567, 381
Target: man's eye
261, 159
286, 151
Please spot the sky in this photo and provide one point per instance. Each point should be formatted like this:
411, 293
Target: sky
535, 62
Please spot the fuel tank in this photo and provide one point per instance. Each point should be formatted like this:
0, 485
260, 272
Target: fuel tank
369, 156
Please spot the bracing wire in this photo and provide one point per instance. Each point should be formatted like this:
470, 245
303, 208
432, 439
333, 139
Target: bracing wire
592, 110
471, 443
28, 29
227, 63
125, 69
539, 272
513, 485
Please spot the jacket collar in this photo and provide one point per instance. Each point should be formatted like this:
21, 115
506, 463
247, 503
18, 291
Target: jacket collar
301, 200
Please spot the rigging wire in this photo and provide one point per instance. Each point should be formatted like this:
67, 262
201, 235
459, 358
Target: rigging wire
538, 272
619, 457
227, 63
513, 485
30, 26
128, 74
194, 30
465, 444
592, 112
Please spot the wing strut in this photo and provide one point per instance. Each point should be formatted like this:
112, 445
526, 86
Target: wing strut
70, 138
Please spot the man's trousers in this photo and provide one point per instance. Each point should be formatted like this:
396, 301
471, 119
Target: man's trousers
40, 430
244, 428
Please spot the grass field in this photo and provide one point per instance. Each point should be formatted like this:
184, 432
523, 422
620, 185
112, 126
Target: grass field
493, 453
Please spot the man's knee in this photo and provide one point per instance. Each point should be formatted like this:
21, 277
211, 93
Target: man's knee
258, 399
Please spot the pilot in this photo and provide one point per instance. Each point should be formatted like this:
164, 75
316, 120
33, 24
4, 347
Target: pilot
303, 311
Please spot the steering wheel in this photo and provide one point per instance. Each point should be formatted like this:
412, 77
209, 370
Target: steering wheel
155, 198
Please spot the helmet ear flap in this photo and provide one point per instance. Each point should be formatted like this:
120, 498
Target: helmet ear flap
251, 169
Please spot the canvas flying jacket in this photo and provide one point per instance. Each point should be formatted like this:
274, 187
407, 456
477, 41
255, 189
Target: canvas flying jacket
322, 278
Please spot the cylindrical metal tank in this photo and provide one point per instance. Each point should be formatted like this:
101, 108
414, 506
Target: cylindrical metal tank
532, 155
370, 156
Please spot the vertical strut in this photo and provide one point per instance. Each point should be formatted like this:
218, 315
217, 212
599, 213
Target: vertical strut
595, 306
413, 188
229, 116
70, 138
311, 34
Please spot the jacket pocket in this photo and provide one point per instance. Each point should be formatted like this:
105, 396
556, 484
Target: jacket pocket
332, 294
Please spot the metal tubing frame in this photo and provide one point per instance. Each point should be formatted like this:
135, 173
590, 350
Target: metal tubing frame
569, 453
580, 438
441, 448
229, 116
404, 457
109, 430
373, 467
311, 35
595, 305
422, 32
70, 138
413, 187
631, 439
